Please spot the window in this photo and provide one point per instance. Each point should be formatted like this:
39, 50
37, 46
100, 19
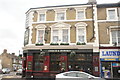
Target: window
81, 35
42, 17
38, 62
40, 36
81, 32
115, 36
60, 16
55, 36
65, 35
40, 33
111, 14
60, 33
80, 15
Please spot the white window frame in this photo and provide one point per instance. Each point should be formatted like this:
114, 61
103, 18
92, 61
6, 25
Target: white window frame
60, 27
40, 17
41, 12
110, 31
78, 10
108, 18
40, 27
83, 26
60, 11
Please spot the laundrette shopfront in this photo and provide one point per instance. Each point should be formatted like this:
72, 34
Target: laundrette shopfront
110, 62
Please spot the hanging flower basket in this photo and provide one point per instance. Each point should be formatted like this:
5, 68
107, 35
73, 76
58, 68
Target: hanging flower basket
73, 54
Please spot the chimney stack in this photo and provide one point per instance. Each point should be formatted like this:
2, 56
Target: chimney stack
5, 51
92, 2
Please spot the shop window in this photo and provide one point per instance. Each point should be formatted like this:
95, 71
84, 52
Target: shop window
38, 62
55, 61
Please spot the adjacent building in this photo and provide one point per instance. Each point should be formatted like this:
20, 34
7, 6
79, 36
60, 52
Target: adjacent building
82, 36
10, 61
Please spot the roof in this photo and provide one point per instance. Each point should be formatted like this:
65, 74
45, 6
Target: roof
57, 6
98, 5
108, 5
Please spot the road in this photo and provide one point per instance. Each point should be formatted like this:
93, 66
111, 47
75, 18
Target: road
10, 76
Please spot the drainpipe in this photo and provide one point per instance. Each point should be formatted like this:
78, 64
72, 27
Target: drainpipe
92, 23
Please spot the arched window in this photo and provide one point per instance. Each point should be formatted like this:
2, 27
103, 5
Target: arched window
81, 32
40, 33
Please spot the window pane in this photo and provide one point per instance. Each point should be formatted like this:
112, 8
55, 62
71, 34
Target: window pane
55, 36
65, 35
81, 35
111, 14
60, 16
80, 38
81, 31
81, 15
118, 34
42, 17
40, 36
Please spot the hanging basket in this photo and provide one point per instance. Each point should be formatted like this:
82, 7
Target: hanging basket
42, 53
72, 54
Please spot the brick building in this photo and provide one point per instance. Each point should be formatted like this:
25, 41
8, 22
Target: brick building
74, 35
10, 61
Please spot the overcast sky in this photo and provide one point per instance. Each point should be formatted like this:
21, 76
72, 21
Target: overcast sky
12, 19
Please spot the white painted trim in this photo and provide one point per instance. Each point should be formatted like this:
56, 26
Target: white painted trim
40, 27
78, 26
59, 26
80, 9
61, 21
60, 11
116, 17
41, 12
108, 21
110, 31
62, 7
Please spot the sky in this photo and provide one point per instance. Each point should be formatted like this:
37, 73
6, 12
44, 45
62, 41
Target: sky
12, 20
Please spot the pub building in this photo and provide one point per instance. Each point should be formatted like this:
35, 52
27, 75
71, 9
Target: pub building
68, 37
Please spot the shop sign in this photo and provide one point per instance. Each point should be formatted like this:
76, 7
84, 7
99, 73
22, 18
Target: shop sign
109, 55
59, 50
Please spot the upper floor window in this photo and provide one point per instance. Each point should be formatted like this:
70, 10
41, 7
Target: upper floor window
60, 33
40, 33
80, 15
81, 35
65, 35
60, 16
112, 14
115, 37
81, 32
55, 36
40, 36
42, 17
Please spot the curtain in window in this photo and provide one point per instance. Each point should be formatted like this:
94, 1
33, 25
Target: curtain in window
55, 36
60, 16
65, 35
81, 15
81, 35
40, 36
111, 14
